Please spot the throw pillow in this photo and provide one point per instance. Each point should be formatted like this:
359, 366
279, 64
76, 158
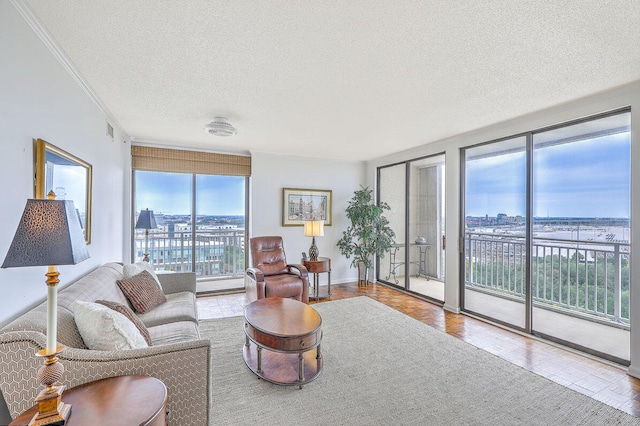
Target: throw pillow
127, 312
143, 293
134, 269
104, 329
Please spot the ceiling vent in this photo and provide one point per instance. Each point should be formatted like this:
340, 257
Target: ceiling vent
220, 126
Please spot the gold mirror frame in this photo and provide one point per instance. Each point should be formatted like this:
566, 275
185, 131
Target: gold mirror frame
49, 156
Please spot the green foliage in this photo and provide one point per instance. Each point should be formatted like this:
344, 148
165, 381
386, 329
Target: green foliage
369, 233
556, 280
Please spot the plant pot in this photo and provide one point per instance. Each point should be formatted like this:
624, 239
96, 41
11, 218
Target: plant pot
363, 275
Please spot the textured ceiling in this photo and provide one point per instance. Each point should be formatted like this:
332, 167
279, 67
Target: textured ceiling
352, 79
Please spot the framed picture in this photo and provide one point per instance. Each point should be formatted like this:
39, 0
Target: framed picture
299, 205
68, 177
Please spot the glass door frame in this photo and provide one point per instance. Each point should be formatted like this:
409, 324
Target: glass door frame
407, 218
193, 206
528, 300
529, 135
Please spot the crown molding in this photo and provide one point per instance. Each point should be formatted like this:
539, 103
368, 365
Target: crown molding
62, 58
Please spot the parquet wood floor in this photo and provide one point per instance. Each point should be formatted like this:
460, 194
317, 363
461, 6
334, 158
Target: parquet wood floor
602, 381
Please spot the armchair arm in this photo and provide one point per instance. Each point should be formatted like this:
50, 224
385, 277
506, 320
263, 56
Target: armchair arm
255, 274
183, 367
254, 285
299, 269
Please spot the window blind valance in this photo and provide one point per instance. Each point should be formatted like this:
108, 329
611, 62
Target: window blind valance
152, 159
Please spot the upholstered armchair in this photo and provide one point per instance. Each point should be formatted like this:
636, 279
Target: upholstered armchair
271, 276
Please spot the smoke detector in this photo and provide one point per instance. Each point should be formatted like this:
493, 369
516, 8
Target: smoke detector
220, 126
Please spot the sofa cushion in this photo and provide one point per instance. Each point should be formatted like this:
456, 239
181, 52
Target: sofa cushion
179, 307
127, 312
142, 291
174, 332
97, 284
134, 269
104, 329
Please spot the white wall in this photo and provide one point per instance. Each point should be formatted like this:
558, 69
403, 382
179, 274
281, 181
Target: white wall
270, 173
598, 103
39, 99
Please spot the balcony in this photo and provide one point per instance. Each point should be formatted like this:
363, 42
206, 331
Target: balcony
579, 287
218, 259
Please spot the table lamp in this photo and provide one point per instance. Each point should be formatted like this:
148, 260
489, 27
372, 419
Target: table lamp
313, 228
146, 221
49, 233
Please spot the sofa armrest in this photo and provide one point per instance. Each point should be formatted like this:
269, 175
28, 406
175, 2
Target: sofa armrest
183, 367
180, 281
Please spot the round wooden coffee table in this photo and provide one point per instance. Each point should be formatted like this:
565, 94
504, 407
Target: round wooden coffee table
280, 336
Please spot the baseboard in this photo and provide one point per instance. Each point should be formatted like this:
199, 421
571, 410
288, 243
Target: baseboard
450, 308
634, 371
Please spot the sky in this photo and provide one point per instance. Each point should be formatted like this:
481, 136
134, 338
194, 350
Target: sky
589, 178
69, 183
170, 193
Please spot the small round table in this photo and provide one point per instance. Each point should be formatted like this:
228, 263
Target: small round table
116, 401
283, 333
315, 267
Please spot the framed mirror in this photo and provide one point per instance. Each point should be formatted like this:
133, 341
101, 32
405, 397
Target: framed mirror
68, 176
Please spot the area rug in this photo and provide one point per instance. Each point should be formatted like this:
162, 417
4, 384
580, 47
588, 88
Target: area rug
382, 367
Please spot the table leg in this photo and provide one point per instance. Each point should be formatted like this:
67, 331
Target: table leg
316, 285
329, 282
393, 265
259, 358
300, 368
318, 353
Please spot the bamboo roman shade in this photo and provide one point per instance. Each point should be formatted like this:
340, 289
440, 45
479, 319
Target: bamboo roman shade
180, 161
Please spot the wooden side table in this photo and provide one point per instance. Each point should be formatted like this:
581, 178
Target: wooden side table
115, 401
318, 266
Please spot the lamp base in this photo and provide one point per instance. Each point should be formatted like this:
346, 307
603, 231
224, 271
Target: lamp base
313, 250
51, 409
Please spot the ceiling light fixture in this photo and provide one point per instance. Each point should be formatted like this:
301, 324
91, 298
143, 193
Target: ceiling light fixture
220, 126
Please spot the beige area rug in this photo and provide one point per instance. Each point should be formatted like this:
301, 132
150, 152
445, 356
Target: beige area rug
382, 367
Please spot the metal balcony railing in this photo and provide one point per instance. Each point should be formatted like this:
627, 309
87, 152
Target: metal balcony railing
588, 278
217, 253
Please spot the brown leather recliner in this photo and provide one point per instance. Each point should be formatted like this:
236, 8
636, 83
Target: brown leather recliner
271, 276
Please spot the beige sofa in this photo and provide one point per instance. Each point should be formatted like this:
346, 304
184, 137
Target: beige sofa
178, 356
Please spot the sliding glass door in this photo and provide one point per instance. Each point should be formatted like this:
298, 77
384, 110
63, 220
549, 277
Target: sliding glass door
415, 192
546, 233
580, 259
200, 226
392, 190
494, 231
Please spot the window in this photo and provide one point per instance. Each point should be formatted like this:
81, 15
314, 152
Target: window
201, 217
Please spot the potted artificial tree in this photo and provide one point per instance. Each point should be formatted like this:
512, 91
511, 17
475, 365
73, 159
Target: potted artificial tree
369, 233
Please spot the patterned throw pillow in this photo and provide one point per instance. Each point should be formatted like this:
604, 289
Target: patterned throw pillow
133, 269
127, 312
142, 291
104, 329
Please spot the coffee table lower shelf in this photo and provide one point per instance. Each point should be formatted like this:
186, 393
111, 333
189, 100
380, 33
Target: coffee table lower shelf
283, 368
